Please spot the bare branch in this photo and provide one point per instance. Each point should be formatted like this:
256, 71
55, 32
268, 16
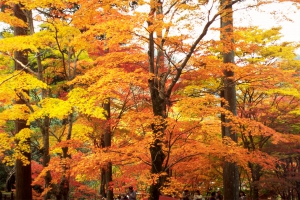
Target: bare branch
22, 65
12, 76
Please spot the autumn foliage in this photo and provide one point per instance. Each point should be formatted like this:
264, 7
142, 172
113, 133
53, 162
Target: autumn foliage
144, 73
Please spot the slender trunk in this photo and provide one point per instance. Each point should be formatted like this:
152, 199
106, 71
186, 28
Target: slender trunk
107, 144
157, 154
106, 172
45, 132
256, 173
158, 128
102, 179
64, 185
23, 173
108, 180
45, 124
158, 98
103, 182
230, 170
46, 156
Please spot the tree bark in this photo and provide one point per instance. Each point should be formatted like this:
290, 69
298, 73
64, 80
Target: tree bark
230, 170
256, 173
106, 172
23, 173
64, 186
46, 156
102, 182
107, 144
158, 98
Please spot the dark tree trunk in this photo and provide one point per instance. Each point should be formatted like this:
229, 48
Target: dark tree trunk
64, 186
23, 173
157, 155
64, 183
158, 128
103, 183
108, 179
159, 98
43, 124
107, 144
230, 170
256, 174
46, 156
106, 172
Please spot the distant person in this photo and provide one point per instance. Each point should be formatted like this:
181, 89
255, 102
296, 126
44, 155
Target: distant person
219, 195
242, 195
131, 194
185, 195
197, 195
213, 196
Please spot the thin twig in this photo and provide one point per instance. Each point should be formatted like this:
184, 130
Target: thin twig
12, 76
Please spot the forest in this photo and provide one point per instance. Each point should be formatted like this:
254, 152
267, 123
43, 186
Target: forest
160, 95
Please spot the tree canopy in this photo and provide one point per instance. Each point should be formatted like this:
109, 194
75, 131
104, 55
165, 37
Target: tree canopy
115, 94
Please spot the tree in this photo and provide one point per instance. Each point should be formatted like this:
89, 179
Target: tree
259, 96
129, 92
230, 170
23, 171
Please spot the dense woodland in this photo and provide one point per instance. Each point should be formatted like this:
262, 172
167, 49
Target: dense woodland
99, 95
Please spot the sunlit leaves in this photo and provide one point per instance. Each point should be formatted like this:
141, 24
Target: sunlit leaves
8, 18
87, 104
6, 142
22, 146
13, 84
53, 108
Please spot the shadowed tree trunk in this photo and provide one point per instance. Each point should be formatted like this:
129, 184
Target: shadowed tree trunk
46, 156
64, 185
106, 173
256, 174
230, 170
43, 124
107, 144
159, 100
23, 173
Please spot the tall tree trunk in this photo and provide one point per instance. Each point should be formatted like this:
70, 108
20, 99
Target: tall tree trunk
23, 173
46, 156
158, 98
64, 186
256, 173
230, 170
106, 172
103, 183
107, 144
44, 124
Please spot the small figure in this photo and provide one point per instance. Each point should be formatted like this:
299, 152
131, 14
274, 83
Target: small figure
197, 195
219, 195
242, 195
213, 196
131, 193
185, 195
